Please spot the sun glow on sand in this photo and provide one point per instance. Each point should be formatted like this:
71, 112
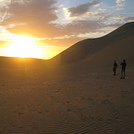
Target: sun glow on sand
23, 46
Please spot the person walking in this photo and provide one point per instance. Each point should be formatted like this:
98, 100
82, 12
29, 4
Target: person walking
123, 69
114, 67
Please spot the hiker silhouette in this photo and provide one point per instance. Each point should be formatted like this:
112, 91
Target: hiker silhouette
114, 67
123, 69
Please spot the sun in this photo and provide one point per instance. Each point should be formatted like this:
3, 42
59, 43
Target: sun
23, 46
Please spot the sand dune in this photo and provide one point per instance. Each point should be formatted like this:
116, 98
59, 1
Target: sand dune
80, 98
86, 48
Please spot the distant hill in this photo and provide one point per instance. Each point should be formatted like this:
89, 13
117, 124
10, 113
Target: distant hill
117, 44
16, 62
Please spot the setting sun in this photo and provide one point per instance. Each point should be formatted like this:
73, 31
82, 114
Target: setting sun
23, 47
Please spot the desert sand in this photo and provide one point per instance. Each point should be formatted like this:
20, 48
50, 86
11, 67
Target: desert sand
83, 102
78, 98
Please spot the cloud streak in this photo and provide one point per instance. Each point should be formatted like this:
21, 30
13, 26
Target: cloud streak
82, 8
120, 4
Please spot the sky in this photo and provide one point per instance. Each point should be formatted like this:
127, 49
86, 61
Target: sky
58, 24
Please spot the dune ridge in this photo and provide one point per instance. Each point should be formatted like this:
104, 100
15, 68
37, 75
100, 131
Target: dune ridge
85, 48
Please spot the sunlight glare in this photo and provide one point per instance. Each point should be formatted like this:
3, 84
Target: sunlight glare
23, 47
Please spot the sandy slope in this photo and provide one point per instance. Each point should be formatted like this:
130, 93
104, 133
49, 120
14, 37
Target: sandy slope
86, 48
92, 102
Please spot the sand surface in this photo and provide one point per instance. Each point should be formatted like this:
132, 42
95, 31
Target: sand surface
33, 101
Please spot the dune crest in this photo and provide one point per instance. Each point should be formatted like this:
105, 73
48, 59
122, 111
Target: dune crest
122, 38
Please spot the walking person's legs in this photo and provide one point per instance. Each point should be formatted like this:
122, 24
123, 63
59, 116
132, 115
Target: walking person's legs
124, 74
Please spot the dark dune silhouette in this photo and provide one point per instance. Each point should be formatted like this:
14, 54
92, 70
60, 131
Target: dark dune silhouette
123, 37
16, 62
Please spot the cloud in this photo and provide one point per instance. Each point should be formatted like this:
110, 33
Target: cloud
119, 1
129, 19
3, 9
120, 4
82, 26
82, 8
33, 17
